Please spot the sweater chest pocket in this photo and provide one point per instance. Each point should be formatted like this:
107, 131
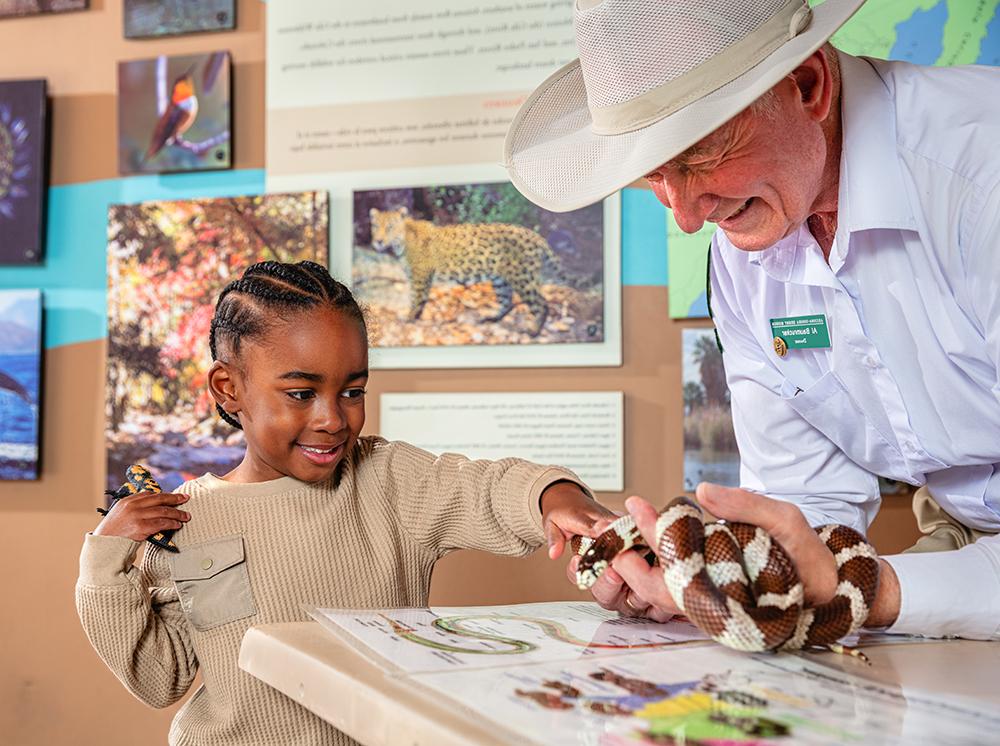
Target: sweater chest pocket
213, 583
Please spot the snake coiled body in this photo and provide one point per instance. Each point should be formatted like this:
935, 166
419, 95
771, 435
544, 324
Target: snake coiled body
738, 585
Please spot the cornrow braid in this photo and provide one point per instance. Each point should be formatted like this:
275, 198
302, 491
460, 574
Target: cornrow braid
242, 311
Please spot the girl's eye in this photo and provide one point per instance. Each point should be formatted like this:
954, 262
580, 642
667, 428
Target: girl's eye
302, 395
353, 393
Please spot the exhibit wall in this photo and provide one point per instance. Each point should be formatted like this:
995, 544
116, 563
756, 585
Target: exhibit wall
54, 689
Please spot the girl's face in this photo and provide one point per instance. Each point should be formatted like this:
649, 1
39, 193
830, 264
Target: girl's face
299, 391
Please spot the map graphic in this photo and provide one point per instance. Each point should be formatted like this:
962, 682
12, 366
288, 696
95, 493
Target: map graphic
453, 638
707, 695
926, 32
574, 673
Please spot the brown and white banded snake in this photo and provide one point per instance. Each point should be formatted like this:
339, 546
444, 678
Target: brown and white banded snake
738, 585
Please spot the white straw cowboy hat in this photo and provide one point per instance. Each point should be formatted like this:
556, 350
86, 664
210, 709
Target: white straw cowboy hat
653, 78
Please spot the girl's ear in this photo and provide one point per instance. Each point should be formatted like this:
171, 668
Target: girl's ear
222, 385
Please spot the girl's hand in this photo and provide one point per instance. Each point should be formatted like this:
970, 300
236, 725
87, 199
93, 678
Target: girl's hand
567, 511
138, 517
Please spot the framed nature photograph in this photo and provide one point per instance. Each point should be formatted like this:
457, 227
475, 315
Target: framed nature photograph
151, 18
710, 453
174, 114
20, 382
167, 263
23, 136
12, 8
476, 265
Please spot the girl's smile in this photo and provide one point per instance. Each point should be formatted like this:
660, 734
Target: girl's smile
321, 455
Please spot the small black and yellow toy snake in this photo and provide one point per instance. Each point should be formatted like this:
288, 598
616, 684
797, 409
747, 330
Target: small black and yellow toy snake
138, 479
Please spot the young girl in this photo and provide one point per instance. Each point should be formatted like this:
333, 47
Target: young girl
314, 513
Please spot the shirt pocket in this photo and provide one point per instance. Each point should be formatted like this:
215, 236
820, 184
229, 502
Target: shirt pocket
827, 406
213, 583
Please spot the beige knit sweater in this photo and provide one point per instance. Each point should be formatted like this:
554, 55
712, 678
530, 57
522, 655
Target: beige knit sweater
253, 554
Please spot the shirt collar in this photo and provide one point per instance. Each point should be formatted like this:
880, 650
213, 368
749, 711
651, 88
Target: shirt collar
871, 182
795, 258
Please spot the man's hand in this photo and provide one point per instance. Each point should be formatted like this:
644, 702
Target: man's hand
568, 511
138, 517
612, 592
633, 588
813, 560
784, 521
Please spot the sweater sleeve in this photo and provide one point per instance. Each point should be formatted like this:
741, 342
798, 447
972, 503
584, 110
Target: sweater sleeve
132, 617
452, 502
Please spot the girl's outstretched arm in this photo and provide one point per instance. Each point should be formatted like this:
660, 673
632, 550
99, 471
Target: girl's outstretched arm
132, 617
451, 502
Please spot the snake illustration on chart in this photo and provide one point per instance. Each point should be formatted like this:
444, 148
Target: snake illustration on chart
456, 625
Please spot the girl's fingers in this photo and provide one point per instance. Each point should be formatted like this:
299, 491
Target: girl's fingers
155, 525
555, 539
146, 499
172, 513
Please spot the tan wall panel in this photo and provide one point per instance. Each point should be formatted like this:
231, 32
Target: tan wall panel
78, 52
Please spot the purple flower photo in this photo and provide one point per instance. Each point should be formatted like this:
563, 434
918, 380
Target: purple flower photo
22, 170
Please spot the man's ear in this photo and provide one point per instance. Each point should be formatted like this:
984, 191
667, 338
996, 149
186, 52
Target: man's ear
814, 80
223, 386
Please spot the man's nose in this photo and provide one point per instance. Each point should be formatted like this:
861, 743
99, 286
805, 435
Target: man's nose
690, 203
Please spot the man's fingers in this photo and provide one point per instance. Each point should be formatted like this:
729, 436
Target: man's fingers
646, 582
608, 590
734, 504
645, 516
783, 520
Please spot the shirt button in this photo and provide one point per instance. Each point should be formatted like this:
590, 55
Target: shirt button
871, 362
206, 564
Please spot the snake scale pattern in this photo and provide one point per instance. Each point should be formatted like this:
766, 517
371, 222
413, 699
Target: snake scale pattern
738, 585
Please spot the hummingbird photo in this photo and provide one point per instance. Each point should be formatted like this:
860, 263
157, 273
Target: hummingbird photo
175, 113
179, 116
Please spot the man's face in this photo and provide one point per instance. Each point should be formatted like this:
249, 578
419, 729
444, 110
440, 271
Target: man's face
757, 177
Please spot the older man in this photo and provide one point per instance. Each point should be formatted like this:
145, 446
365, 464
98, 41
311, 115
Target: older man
855, 280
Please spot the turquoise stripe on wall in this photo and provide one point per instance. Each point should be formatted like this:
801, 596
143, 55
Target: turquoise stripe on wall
73, 277
644, 239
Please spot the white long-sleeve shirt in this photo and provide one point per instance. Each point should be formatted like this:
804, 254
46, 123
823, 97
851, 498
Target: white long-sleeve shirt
909, 386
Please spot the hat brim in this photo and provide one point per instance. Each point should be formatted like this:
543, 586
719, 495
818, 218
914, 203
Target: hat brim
555, 159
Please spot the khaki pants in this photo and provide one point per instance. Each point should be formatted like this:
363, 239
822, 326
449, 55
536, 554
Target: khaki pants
941, 532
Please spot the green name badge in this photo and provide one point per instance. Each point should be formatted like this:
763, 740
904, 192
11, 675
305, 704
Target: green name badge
799, 333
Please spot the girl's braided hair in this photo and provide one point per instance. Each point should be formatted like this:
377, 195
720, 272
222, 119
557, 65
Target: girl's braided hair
243, 307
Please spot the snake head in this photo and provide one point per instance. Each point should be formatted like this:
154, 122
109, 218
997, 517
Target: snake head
589, 570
